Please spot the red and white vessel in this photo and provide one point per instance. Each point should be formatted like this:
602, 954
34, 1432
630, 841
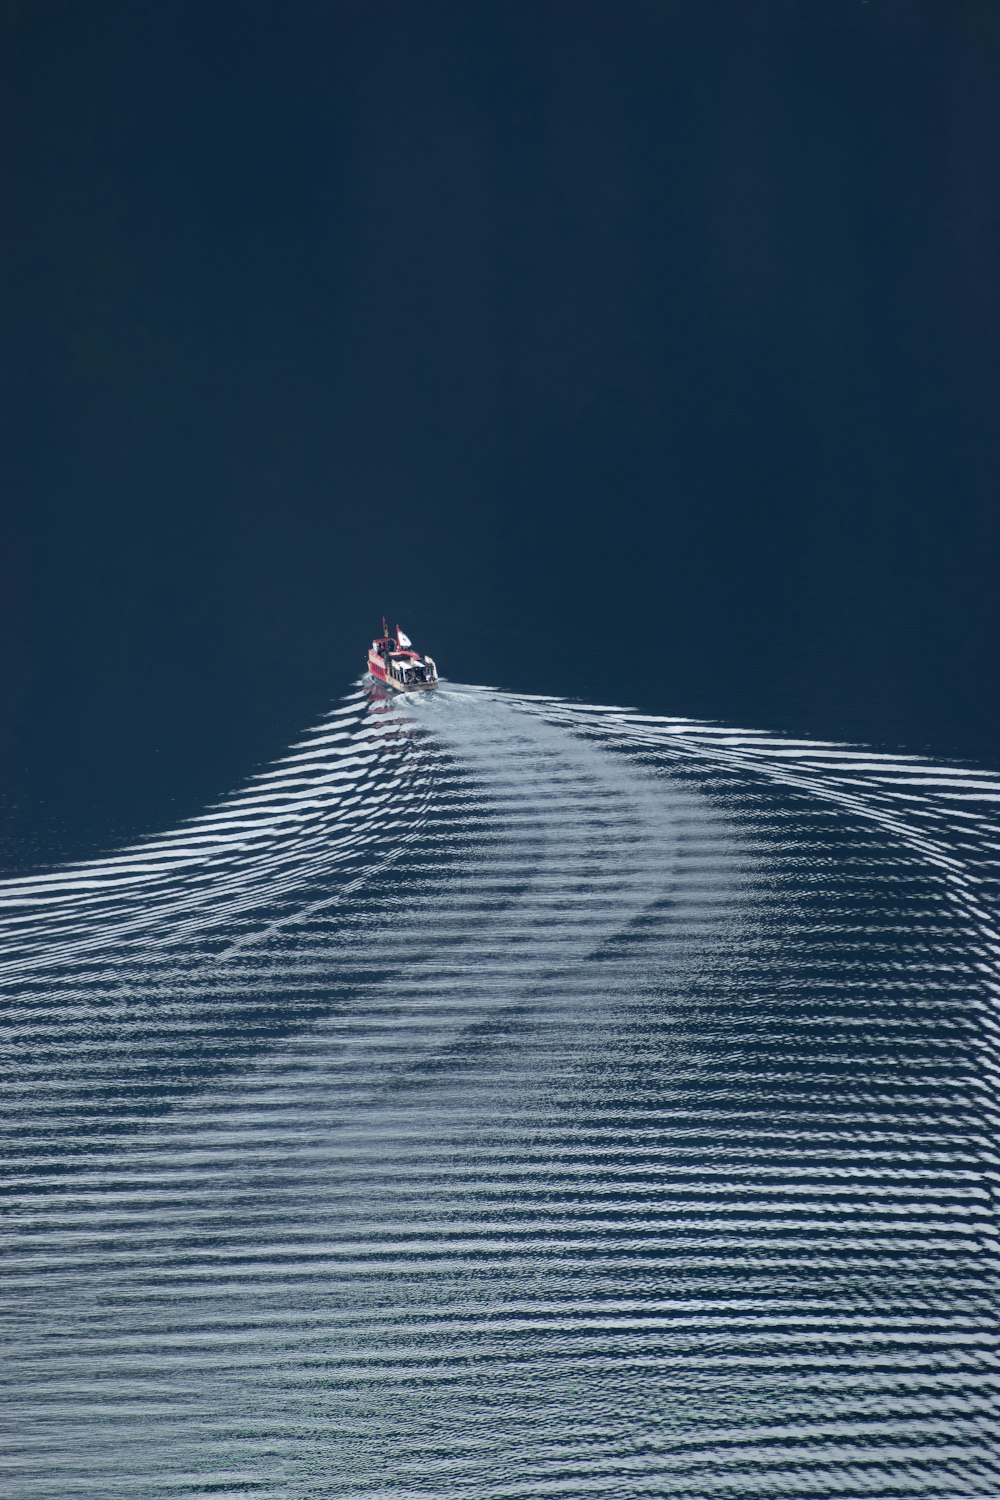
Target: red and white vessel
392, 660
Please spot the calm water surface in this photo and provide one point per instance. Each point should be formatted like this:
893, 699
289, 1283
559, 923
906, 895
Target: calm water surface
510, 1097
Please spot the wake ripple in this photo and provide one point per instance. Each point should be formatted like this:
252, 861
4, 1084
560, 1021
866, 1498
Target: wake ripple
507, 1097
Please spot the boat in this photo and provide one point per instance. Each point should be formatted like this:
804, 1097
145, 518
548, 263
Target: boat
392, 660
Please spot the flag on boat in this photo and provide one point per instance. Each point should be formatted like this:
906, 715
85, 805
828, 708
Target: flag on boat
404, 640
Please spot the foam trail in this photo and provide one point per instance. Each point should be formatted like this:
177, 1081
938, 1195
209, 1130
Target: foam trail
508, 1097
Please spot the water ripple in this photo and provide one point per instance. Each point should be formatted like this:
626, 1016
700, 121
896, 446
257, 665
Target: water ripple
508, 1097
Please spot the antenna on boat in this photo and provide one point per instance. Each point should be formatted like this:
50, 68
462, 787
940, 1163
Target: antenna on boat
385, 629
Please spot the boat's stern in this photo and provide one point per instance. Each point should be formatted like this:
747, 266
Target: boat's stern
409, 672
392, 660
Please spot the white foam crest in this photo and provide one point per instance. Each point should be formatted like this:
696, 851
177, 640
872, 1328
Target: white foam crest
240, 844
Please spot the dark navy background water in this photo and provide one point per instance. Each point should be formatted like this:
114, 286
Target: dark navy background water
678, 325
507, 1093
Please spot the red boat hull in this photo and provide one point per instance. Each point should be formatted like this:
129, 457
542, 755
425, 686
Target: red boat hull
405, 671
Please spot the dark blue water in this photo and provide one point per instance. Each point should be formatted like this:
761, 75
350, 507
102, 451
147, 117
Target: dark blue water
503, 1096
